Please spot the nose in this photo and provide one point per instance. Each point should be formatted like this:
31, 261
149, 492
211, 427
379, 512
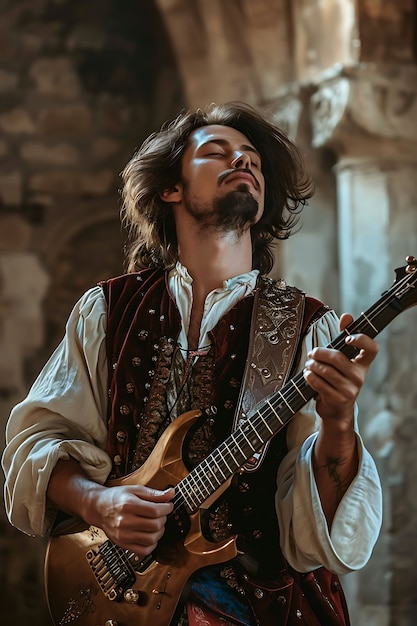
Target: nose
241, 160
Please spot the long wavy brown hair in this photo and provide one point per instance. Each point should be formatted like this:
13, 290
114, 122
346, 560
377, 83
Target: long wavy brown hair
156, 166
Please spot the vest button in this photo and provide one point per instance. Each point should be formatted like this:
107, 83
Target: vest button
282, 600
121, 436
130, 387
117, 459
125, 409
258, 593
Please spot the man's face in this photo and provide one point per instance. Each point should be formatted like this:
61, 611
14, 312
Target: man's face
222, 181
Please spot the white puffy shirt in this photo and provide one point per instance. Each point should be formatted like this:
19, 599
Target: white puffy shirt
65, 414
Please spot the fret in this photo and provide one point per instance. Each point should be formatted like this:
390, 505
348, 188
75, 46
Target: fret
202, 476
249, 443
224, 460
274, 412
250, 423
298, 390
266, 423
369, 322
218, 466
231, 453
195, 488
288, 405
238, 446
211, 474
188, 495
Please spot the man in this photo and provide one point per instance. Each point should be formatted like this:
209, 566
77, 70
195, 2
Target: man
204, 198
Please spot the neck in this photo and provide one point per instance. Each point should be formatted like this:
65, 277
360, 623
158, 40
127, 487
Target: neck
212, 259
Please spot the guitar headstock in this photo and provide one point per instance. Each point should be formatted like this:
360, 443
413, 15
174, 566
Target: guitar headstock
404, 288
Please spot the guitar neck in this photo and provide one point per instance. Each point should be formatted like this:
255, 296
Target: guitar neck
275, 411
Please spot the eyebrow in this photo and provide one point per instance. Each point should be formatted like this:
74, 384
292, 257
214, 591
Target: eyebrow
225, 142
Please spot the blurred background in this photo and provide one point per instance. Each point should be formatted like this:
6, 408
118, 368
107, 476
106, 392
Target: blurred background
83, 82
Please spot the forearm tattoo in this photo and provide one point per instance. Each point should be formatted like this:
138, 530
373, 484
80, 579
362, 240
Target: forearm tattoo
332, 465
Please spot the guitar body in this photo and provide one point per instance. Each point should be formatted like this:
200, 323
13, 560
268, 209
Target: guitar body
74, 593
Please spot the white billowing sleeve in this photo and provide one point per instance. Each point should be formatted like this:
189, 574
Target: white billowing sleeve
64, 415
306, 541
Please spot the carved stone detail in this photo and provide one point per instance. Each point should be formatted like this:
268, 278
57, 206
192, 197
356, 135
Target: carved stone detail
286, 113
379, 102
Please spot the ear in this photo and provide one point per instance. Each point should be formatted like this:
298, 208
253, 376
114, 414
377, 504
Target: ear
172, 194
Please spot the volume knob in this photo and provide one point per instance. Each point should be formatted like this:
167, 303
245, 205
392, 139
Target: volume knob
131, 596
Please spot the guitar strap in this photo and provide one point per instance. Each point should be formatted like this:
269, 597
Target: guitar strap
277, 322
280, 316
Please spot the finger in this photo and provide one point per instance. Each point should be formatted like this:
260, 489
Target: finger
368, 348
327, 356
140, 543
329, 382
155, 495
345, 320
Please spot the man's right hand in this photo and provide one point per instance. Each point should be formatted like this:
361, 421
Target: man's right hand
132, 516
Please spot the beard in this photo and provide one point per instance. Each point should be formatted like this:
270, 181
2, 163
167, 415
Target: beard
235, 211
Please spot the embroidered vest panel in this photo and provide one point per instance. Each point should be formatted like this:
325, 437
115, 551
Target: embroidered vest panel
143, 327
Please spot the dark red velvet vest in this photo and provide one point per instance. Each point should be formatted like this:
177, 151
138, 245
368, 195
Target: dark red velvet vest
143, 322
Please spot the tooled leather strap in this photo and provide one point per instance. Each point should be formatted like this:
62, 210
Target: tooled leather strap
277, 320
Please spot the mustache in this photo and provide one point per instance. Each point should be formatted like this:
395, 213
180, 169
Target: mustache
241, 170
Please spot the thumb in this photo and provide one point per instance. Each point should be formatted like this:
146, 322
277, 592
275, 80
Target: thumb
156, 495
345, 320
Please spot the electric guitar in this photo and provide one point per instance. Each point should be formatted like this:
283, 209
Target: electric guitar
90, 581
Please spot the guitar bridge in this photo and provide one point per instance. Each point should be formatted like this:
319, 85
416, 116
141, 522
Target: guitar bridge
111, 569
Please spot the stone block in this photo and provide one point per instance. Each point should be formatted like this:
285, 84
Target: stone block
8, 46
55, 77
87, 37
4, 149
15, 233
58, 154
8, 81
61, 182
11, 188
72, 120
17, 122
103, 148
98, 183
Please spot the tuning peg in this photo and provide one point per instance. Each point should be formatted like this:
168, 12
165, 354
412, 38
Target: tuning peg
412, 264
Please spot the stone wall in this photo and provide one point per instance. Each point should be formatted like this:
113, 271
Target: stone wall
81, 85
